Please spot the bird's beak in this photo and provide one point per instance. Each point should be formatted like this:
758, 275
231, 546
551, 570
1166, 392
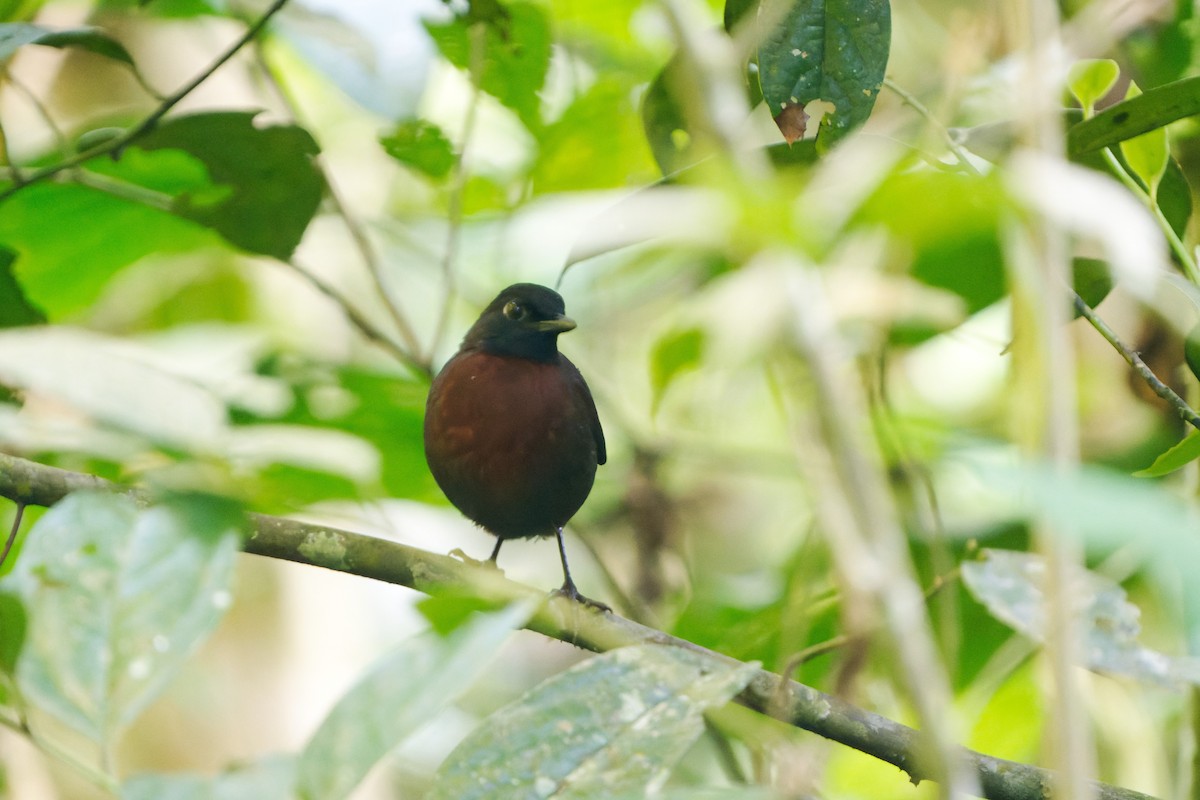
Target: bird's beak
557, 325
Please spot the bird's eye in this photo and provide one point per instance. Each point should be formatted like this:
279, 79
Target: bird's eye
515, 311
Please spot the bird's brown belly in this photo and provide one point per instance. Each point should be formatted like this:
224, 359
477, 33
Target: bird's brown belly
517, 457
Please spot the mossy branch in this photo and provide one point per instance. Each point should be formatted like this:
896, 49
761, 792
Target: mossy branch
29, 483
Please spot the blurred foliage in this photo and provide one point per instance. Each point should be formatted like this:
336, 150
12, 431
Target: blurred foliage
240, 310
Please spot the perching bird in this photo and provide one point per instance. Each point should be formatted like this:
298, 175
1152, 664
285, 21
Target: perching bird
511, 431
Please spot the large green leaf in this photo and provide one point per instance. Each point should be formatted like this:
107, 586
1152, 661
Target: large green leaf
274, 186
616, 723
117, 598
1153, 109
508, 58
831, 50
1012, 586
269, 779
399, 695
64, 274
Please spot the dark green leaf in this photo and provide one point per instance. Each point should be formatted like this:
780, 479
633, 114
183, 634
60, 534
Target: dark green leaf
267, 187
1091, 279
514, 59
271, 778
615, 723
1191, 350
16, 34
735, 11
831, 50
664, 123
1153, 109
15, 309
398, 696
420, 145
117, 599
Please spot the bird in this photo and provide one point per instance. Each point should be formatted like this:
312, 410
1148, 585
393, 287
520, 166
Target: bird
512, 435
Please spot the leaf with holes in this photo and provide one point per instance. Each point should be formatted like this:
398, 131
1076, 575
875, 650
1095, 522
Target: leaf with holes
614, 724
830, 50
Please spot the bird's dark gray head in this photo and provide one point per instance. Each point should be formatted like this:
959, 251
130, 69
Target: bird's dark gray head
524, 321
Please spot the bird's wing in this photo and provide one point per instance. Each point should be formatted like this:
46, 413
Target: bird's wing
580, 387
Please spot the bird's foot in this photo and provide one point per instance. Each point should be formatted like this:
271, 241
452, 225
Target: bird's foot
569, 591
457, 553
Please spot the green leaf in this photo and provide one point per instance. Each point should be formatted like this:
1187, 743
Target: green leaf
514, 57
1091, 79
14, 35
98, 376
63, 275
1011, 585
613, 724
13, 624
421, 145
15, 309
271, 778
1179, 455
664, 123
674, 354
272, 185
1147, 155
831, 50
1092, 279
399, 695
117, 599
1153, 109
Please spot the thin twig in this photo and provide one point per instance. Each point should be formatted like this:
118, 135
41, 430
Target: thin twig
12, 534
1185, 412
366, 250
359, 320
114, 146
909, 99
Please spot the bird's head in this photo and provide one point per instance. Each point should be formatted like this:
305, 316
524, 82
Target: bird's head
524, 321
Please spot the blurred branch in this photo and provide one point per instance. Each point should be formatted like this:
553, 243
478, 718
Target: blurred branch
27, 482
1186, 412
114, 146
353, 225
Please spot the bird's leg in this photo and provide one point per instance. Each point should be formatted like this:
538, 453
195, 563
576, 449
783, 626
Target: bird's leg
495, 551
568, 589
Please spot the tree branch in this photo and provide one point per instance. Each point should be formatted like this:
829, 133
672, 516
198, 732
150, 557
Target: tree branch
27, 482
147, 124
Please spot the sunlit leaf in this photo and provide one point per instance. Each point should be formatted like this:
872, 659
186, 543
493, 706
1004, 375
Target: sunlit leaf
400, 694
508, 57
1012, 586
271, 778
834, 50
1153, 109
12, 631
1147, 154
613, 724
1177, 457
1091, 79
117, 599
674, 354
421, 145
63, 275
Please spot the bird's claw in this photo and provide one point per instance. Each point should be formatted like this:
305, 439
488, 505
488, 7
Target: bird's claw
458, 554
571, 593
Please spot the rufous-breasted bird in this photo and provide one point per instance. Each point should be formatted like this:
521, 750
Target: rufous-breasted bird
511, 431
